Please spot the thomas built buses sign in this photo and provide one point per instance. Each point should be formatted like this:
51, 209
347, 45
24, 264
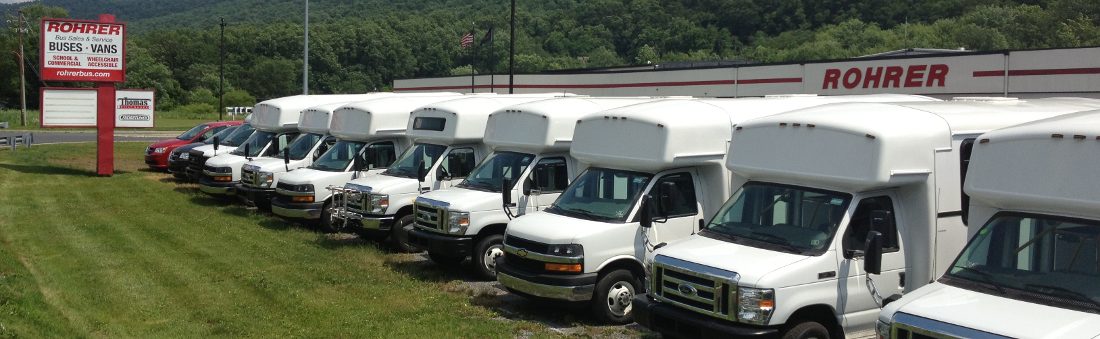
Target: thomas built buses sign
134, 108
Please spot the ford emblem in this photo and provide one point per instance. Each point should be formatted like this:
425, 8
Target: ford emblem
686, 289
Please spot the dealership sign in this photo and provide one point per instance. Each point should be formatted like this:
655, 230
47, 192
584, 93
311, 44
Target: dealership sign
78, 50
77, 107
134, 108
68, 107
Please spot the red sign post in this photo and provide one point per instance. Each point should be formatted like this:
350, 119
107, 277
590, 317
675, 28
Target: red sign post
95, 51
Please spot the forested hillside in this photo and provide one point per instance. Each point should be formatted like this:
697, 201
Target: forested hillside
363, 45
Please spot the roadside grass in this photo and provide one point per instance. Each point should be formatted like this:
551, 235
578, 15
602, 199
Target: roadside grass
138, 255
164, 121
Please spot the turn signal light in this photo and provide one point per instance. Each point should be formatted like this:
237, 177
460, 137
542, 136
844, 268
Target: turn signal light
223, 178
572, 268
305, 198
767, 304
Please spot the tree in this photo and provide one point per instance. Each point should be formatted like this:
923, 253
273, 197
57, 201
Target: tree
143, 71
604, 57
273, 77
646, 55
9, 72
239, 97
201, 95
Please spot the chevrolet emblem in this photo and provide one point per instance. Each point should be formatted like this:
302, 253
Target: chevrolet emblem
522, 252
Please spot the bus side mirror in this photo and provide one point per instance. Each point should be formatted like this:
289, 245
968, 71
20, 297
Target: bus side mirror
319, 151
528, 187
506, 192
872, 258
441, 173
645, 215
532, 182
357, 163
422, 172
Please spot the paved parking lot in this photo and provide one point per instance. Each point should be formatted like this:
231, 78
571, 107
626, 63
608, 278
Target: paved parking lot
55, 137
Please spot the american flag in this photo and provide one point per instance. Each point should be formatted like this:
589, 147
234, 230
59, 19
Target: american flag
467, 40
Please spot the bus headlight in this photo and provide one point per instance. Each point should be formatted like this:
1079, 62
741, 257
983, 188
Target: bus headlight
755, 305
264, 179
457, 222
379, 203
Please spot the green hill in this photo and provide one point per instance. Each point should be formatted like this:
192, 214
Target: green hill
362, 45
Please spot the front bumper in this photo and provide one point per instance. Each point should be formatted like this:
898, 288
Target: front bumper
373, 222
579, 287
193, 174
217, 188
157, 162
255, 195
308, 210
439, 244
179, 168
679, 322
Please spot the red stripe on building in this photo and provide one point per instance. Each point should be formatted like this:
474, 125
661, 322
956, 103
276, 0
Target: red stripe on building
624, 85
1029, 72
768, 81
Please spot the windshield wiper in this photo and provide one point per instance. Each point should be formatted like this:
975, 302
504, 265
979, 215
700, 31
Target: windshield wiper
777, 240
708, 231
396, 172
985, 276
586, 213
1065, 292
477, 185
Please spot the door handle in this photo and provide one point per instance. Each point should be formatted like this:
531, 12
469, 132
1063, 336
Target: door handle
425, 189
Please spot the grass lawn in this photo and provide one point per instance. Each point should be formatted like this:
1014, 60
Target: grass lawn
138, 255
164, 121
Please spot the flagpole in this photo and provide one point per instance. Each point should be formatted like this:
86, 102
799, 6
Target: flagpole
472, 55
305, 54
512, 50
493, 60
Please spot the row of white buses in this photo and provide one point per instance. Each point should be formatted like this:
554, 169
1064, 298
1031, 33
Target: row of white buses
794, 216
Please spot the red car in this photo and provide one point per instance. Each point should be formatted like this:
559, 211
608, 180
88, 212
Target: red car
156, 156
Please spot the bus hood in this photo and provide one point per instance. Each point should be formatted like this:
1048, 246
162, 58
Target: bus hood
951, 308
466, 200
750, 263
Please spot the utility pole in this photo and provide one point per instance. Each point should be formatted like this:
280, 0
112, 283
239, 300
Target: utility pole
21, 23
305, 58
221, 73
512, 50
